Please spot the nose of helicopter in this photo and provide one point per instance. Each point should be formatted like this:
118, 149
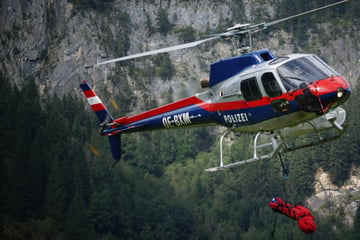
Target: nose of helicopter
332, 91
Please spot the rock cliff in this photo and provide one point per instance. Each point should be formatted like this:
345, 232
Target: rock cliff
58, 42
342, 201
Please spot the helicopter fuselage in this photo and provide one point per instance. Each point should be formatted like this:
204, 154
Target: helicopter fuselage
250, 93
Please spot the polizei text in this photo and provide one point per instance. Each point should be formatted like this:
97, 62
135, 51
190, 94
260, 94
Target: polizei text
236, 118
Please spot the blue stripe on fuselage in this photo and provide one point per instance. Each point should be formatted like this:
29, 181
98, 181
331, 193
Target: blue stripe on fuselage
187, 116
194, 115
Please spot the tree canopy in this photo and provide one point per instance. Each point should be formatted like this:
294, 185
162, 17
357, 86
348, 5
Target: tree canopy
52, 183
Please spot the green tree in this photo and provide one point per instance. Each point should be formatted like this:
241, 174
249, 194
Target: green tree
99, 5
162, 22
149, 26
146, 233
101, 213
7, 138
8, 105
22, 190
187, 34
167, 229
356, 226
59, 187
77, 224
165, 69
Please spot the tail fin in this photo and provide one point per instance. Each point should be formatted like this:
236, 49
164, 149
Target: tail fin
104, 117
96, 104
115, 144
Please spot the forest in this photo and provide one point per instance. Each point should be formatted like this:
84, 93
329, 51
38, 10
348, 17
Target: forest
54, 187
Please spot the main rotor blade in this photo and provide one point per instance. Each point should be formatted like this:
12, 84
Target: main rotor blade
242, 29
161, 50
301, 14
231, 33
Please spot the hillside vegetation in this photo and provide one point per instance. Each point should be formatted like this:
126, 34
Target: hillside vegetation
54, 187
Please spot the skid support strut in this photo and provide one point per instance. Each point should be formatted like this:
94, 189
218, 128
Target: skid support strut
221, 146
273, 143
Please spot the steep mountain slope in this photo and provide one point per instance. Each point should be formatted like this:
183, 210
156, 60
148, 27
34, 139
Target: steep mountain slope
58, 42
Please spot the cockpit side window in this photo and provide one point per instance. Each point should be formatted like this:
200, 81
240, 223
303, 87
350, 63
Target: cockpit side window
270, 84
250, 89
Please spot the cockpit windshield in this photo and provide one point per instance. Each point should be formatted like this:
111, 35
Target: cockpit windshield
303, 70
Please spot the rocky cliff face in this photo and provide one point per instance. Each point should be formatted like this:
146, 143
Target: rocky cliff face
342, 201
23, 38
57, 43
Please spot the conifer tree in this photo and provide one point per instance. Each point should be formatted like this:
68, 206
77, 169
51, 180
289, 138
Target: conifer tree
59, 187
26, 122
356, 226
77, 224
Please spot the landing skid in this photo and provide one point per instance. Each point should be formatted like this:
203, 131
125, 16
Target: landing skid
276, 145
277, 139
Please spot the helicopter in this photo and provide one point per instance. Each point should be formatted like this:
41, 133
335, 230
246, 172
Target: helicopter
275, 98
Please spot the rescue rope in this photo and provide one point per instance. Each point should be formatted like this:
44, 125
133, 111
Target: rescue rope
274, 228
285, 173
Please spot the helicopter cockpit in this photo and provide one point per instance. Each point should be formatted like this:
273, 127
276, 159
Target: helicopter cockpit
303, 70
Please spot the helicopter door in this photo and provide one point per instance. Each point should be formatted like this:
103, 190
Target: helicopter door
250, 89
273, 89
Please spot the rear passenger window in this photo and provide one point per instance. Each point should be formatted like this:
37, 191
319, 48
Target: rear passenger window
270, 84
250, 89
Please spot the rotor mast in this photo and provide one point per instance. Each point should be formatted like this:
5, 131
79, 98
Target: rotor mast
240, 34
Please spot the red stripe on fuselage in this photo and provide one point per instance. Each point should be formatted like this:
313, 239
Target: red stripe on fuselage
210, 107
160, 110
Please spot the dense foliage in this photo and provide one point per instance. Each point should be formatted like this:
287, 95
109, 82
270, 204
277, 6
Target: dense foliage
53, 186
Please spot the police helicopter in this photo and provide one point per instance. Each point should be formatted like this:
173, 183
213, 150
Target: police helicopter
274, 98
